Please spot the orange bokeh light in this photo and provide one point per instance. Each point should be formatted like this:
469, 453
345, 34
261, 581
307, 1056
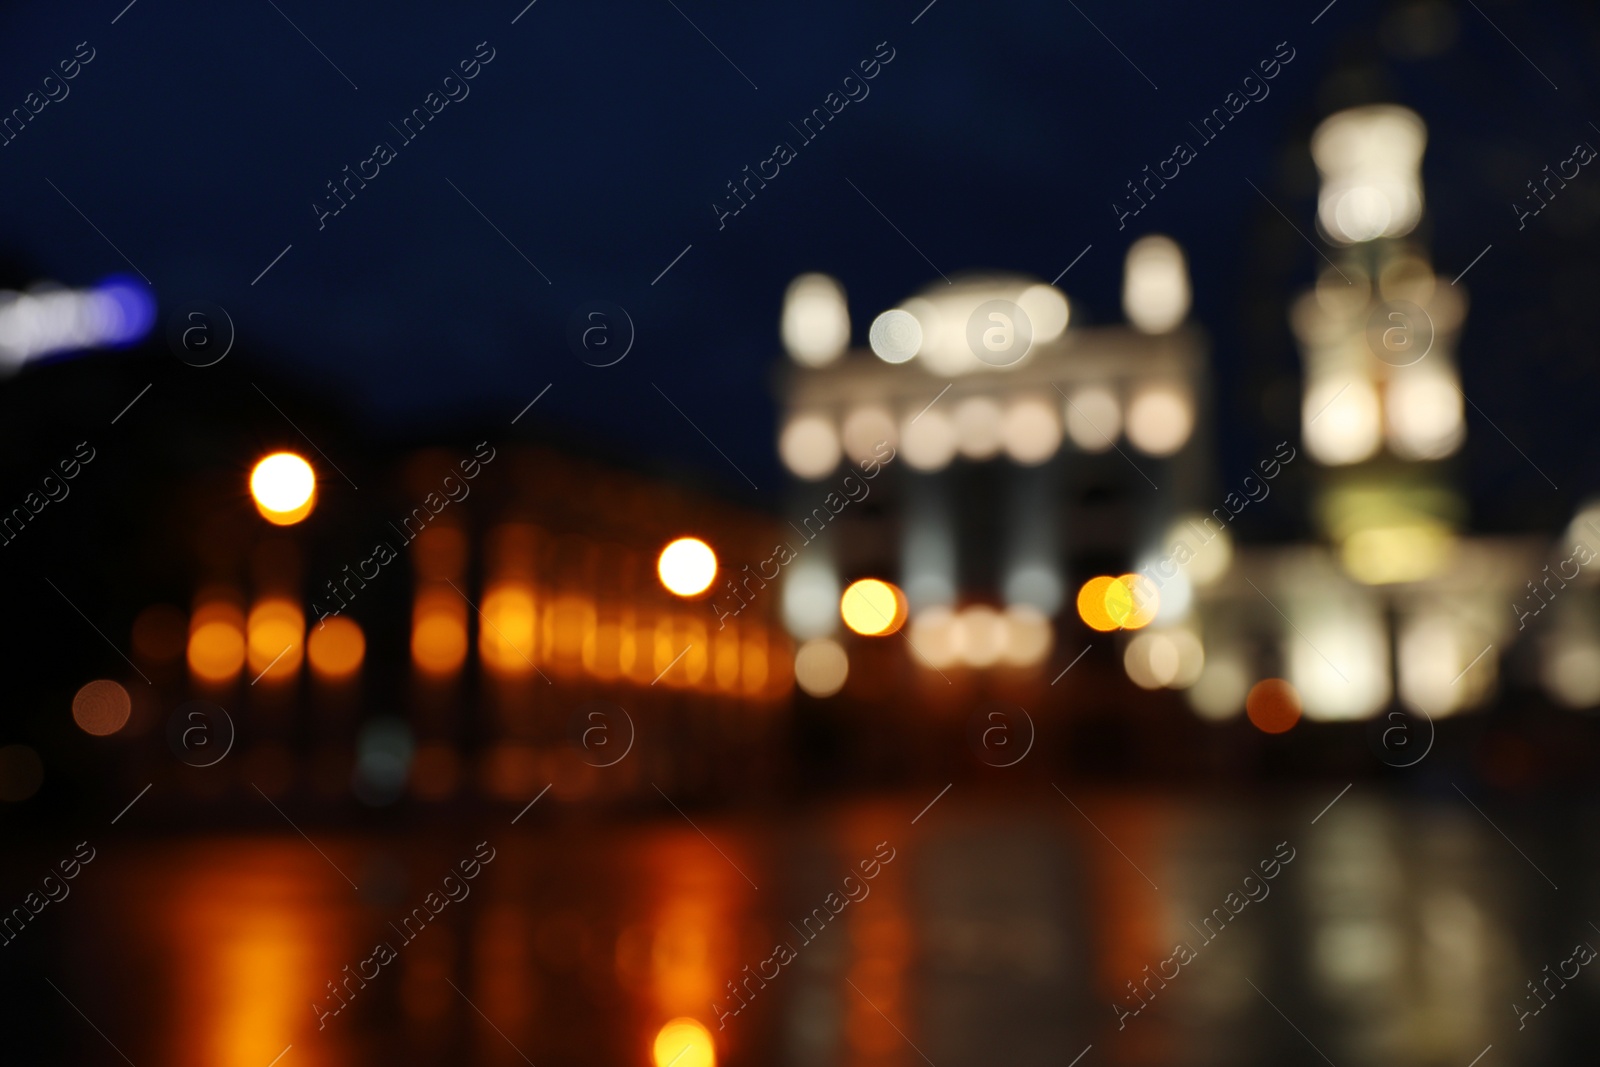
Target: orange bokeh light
1134, 601
336, 648
684, 1042
276, 639
1126, 603
439, 631
216, 641
284, 488
506, 638
101, 708
687, 566
1273, 706
873, 607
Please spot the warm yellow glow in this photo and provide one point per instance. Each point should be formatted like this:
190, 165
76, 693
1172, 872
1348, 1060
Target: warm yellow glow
1133, 601
284, 488
1425, 417
1381, 555
755, 664
1155, 284
933, 635
506, 637
241, 947
336, 648
816, 320
1128, 603
439, 631
1369, 158
1436, 645
602, 649
1340, 420
1570, 670
1092, 603
977, 422
928, 440
980, 635
864, 429
1094, 418
569, 622
1160, 420
809, 446
276, 639
216, 642
1220, 691
1047, 309
1164, 659
873, 607
1209, 547
684, 1043
1029, 636
821, 667
682, 655
1337, 653
1031, 431
101, 708
725, 657
687, 566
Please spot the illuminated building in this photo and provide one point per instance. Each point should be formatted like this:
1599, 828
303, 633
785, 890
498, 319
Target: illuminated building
986, 456
1393, 604
508, 633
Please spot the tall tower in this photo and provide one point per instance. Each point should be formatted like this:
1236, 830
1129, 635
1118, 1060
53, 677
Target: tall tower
1393, 602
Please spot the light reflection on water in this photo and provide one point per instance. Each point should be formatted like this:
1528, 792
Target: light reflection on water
997, 933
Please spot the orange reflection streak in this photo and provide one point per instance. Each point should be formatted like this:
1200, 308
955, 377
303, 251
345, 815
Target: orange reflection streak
254, 933
1133, 926
880, 936
692, 947
505, 983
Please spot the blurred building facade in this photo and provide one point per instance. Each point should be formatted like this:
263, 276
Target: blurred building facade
1041, 467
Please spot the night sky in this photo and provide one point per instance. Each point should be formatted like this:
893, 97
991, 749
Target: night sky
599, 135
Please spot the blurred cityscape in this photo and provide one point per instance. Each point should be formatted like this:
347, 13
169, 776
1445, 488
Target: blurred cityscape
962, 748
1004, 530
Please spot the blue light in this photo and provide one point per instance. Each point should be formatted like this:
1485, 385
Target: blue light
129, 310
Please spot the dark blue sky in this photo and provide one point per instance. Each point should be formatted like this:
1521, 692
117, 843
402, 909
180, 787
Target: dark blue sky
600, 135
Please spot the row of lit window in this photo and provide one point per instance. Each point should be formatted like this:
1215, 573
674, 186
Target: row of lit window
1158, 420
522, 632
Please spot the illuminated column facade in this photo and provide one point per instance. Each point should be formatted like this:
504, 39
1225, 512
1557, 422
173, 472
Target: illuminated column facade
982, 455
